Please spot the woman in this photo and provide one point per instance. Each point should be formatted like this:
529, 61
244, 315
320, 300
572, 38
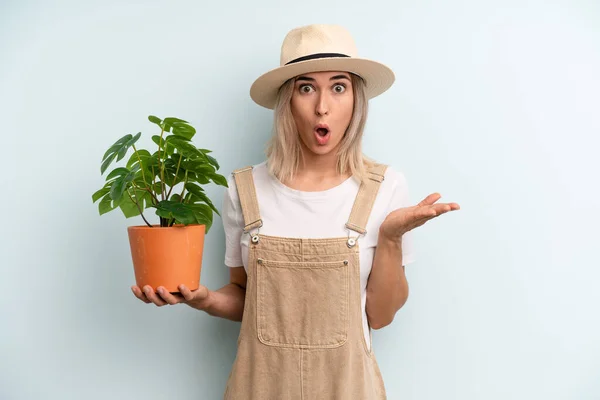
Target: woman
302, 229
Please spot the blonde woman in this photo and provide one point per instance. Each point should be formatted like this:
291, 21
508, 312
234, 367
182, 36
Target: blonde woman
316, 235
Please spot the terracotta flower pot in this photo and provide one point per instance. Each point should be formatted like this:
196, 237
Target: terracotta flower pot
167, 256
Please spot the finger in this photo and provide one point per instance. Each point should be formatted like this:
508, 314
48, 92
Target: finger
445, 207
199, 294
429, 200
423, 212
169, 297
431, 212
139, 294
186, 293
153, 297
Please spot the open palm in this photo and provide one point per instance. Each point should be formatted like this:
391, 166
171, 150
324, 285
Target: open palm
402, 220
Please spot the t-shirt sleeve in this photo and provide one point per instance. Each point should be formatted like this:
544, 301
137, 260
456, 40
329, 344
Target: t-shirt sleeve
233, 225
400, 198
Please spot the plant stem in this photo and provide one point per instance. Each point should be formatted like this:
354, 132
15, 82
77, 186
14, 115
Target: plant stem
154, 182
146, 190
139, 208
175, 177
140, 161
162, 164
183, 189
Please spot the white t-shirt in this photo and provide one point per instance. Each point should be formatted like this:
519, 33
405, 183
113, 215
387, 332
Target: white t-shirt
287, 212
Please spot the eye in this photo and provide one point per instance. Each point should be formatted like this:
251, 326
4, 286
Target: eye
305, 88
339, 88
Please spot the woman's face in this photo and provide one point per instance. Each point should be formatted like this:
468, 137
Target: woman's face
322, 106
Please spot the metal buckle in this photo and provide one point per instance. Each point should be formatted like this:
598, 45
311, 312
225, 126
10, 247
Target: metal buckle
255, 237
352, 241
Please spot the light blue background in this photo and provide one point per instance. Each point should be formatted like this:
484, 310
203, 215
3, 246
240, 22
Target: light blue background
495, 106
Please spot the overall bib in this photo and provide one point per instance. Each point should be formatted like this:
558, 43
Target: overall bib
301, 334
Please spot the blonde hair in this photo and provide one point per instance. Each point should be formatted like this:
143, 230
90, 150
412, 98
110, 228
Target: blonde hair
284, 151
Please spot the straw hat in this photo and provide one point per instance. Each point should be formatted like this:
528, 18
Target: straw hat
315, 48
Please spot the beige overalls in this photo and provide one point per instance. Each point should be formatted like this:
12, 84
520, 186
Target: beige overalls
301, 334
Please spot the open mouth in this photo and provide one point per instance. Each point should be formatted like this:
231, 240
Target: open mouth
322, 132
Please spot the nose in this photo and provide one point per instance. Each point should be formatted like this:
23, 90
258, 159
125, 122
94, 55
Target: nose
322, 106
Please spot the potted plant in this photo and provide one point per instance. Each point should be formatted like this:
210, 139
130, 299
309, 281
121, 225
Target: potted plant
169, 253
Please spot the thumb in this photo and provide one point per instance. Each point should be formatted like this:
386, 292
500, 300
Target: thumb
201, 293
196, 295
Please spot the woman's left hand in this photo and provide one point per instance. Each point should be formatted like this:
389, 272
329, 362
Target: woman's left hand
402, 220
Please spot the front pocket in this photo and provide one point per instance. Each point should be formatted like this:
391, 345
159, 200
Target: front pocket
302, 304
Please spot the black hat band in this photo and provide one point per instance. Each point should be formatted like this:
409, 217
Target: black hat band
315, 56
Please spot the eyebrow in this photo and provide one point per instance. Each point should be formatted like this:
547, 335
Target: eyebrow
309, 79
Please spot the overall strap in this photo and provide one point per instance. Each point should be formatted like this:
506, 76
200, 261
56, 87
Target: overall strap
361, 210
247, 194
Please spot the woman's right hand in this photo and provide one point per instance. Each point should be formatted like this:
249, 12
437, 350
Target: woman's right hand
198, 298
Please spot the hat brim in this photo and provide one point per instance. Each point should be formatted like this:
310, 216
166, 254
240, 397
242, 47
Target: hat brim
378, 77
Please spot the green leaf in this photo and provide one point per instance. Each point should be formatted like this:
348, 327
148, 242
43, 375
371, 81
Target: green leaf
157, 188
170, 178
198, 166
172, 120
128, 206
107, 204
162, 146
219, 179
184, 130
118, 188
175, 159
120, 171
202, 179
118, 150
203, 214
154, 120
116, 146
183, 126
136, 156
198, 192
100, 193
150, 161
184, 146
172, 209
202, 157
213, 161
146, 197
171, 168
143, 179
121, 184
169, 148
160, 142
